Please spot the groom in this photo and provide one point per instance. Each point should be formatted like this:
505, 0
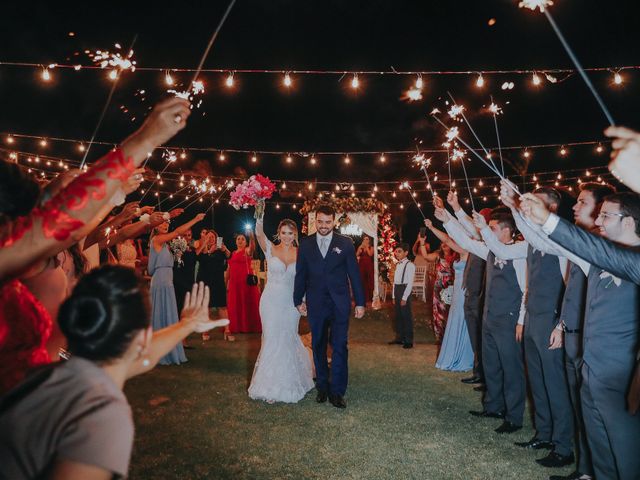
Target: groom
325, 267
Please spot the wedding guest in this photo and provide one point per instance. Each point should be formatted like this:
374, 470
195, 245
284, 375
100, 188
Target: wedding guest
553, 420
401, 295
212, 260
164, 311
365, 253
611, 330
444, 258
503, 320
456, 354
243, 294
71, 419
184, 269
418, 259
474, 286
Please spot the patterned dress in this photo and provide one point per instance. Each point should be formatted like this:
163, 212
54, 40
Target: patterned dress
444, 279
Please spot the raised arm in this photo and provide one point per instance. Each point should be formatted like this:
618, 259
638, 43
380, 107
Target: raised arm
444, 238
161, 238
462, 238
260, 235
80, 206
464, 219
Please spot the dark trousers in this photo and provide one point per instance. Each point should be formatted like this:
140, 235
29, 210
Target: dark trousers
545, 369
503, 371
404, 316
612, 432
473, 317
330, 325
573, 366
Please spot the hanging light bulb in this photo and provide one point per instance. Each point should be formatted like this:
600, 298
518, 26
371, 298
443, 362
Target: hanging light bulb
347, 160
310, 186
587, 173
453, 184
183, 155
337, 187
254, 158
401, 206
536, 79
287, 80
480, 183
43, 143
277, 206
375, 188
313, 160
480, 81
46, 76
10, 139
394, 195
559, 176
289, 159
526, 153
168, 79
222, 157
617, 78
229, 81
419, 82
383, 158
599, 148
283, 186
535, 178
355, 83
563, 151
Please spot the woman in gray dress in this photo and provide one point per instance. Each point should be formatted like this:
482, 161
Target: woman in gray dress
164, 309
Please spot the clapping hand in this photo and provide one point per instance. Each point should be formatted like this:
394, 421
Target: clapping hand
196, 310
534, 208
479, 221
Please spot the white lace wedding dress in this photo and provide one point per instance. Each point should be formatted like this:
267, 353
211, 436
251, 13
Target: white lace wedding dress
283, 371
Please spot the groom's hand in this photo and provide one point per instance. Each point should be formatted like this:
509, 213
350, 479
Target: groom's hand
302, 308
359, 312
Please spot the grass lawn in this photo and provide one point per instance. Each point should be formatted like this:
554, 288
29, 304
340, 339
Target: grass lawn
404, 418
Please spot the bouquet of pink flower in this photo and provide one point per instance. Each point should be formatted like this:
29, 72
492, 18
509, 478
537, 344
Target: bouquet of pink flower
252, 193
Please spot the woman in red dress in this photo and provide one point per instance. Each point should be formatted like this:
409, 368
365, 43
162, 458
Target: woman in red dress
365, 262
444, 258
243, 299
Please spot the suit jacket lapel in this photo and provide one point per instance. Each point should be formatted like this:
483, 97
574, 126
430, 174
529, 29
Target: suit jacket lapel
316, 247
330, 253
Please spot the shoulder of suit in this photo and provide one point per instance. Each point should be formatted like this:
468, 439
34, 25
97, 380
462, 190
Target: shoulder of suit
342, 237
309, 238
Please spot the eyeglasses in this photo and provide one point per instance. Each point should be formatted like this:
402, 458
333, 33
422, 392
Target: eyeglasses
610, 215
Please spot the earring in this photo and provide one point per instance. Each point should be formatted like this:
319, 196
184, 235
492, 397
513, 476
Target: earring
146, 362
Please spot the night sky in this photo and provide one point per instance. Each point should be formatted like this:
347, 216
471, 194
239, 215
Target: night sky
321, 113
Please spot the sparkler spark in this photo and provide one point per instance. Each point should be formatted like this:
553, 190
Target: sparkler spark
495, 109
105, 59
452, 133
435, 111
533, 4
458, 154
456, 111
413, 94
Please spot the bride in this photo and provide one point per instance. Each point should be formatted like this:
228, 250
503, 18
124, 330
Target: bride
283, 369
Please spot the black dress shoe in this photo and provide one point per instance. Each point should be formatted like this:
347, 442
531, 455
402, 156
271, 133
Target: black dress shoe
407, 345
572, 476
555, 460
474, 379
321, 397
485, 414
394, 342
508, 427
535, 444
480, 388
337, 401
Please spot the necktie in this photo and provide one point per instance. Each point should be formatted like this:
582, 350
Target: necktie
323, 247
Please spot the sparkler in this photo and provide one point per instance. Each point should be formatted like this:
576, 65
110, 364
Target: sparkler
495, 111
196, 87
171, 157
423, 163
408, 187
542, 5
459, 154
131, 65
228, 185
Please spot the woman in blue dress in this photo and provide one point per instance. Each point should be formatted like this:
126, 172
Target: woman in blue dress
456, 354
164, 309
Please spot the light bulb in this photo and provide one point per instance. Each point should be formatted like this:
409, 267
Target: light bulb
168, 79
355, 83
229, 81
480, 81
419, 82
221, 157
383, 158
254, 159
46, 76
289, 159
536, 79
347, 160
617, 78
287, 80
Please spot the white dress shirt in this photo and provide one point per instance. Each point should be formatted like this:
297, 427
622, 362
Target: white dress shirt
320, 238
408, 277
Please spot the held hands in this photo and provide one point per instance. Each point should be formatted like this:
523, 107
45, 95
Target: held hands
452, 199
534, 208
625, 157
479, 221
302, 309
428, 223
176, 212
359, 312
161, 124
196, 310
148, 209
133, 182
156, 218
129, 210
438, 202
199, 217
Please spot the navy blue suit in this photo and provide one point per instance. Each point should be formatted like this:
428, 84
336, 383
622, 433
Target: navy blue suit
325, 282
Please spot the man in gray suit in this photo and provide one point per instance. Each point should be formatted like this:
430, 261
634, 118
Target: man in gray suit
611, 332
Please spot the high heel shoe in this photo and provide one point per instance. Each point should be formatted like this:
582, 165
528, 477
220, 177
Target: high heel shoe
228, 337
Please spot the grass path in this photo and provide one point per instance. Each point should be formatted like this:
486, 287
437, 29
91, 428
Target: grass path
404, 420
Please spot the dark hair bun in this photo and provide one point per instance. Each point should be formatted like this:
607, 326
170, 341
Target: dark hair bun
108, 306
88, 319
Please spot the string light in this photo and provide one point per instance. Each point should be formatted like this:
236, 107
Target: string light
254, 158
617, 78
46, 76
383, 159
283, 186
355, 83
168, 79
289, 159
222, 157
347, 160
526, 154
419, 82
10, 140
480, 81
599, 148
313, 160
287, 80
43, 143
536, 79
563, 151
229, 81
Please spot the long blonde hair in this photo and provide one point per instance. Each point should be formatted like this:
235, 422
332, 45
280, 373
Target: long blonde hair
287, 222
